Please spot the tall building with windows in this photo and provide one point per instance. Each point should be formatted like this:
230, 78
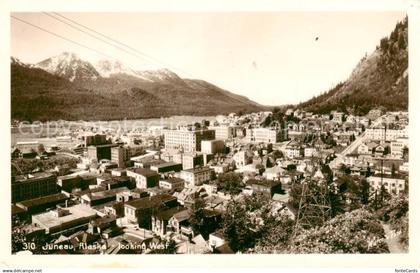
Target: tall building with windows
224, 132
385, 134
95, 139
120, 155
264, 135
196, 176
186, 140
32, 186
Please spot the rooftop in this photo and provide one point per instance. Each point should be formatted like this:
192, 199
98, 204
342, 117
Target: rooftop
103, 146
198, 170
43, 200
105, 194
166, 164
168, 213
172, 180
49, 219
143, 171
33, 177
149, 202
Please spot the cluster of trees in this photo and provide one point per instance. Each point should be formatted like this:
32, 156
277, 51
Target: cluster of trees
379, 81
28, 165
199, 221
230, 183
39, 95
278, 118
250, 225
328, 139
357, 231
245, 222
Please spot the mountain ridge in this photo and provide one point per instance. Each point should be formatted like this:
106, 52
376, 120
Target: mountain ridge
379, 80
73, 89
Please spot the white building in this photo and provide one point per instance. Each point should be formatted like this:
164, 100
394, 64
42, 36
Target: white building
274, 173
384, 134
397, 147
241, 159
224, 132
394, 185
293, 150
187, 140
310, 152
171, 183
196, 176
265, 135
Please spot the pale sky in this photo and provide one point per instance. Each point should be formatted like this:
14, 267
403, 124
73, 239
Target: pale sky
272, 58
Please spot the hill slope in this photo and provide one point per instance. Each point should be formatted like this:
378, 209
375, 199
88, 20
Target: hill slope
80, 92
379, 80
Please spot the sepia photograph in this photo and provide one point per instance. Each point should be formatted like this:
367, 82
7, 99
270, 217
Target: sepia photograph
214, 135
209, 132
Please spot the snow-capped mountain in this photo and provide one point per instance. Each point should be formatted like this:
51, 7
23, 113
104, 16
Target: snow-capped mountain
107, 68
163, 74
70, 66
14, 60
112, 91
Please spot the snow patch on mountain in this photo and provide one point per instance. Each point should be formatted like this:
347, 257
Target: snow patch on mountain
163, 74
69, 66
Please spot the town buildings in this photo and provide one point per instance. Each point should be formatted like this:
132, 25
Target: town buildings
394, 185
264, 135
196, 176
120, 155
34, 185
212, 146
102, 199
187, 140
144, 178
224, 132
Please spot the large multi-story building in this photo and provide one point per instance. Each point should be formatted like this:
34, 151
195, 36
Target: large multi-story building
120, 155
31, 186
265, 135
397, 147
384, 134
99, 152
393, 185
212, 146
96, 139
186, 140
224, 132
196, 176
192, 160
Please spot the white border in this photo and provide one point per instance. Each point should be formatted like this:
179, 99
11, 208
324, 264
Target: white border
289, 261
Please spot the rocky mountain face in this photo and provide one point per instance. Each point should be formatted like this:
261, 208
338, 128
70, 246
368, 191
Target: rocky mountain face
67, 87
69, 66
380, 80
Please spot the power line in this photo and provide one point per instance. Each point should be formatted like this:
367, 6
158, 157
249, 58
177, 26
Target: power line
123, 44
98, 51
92, 35
126, 46
62, 37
